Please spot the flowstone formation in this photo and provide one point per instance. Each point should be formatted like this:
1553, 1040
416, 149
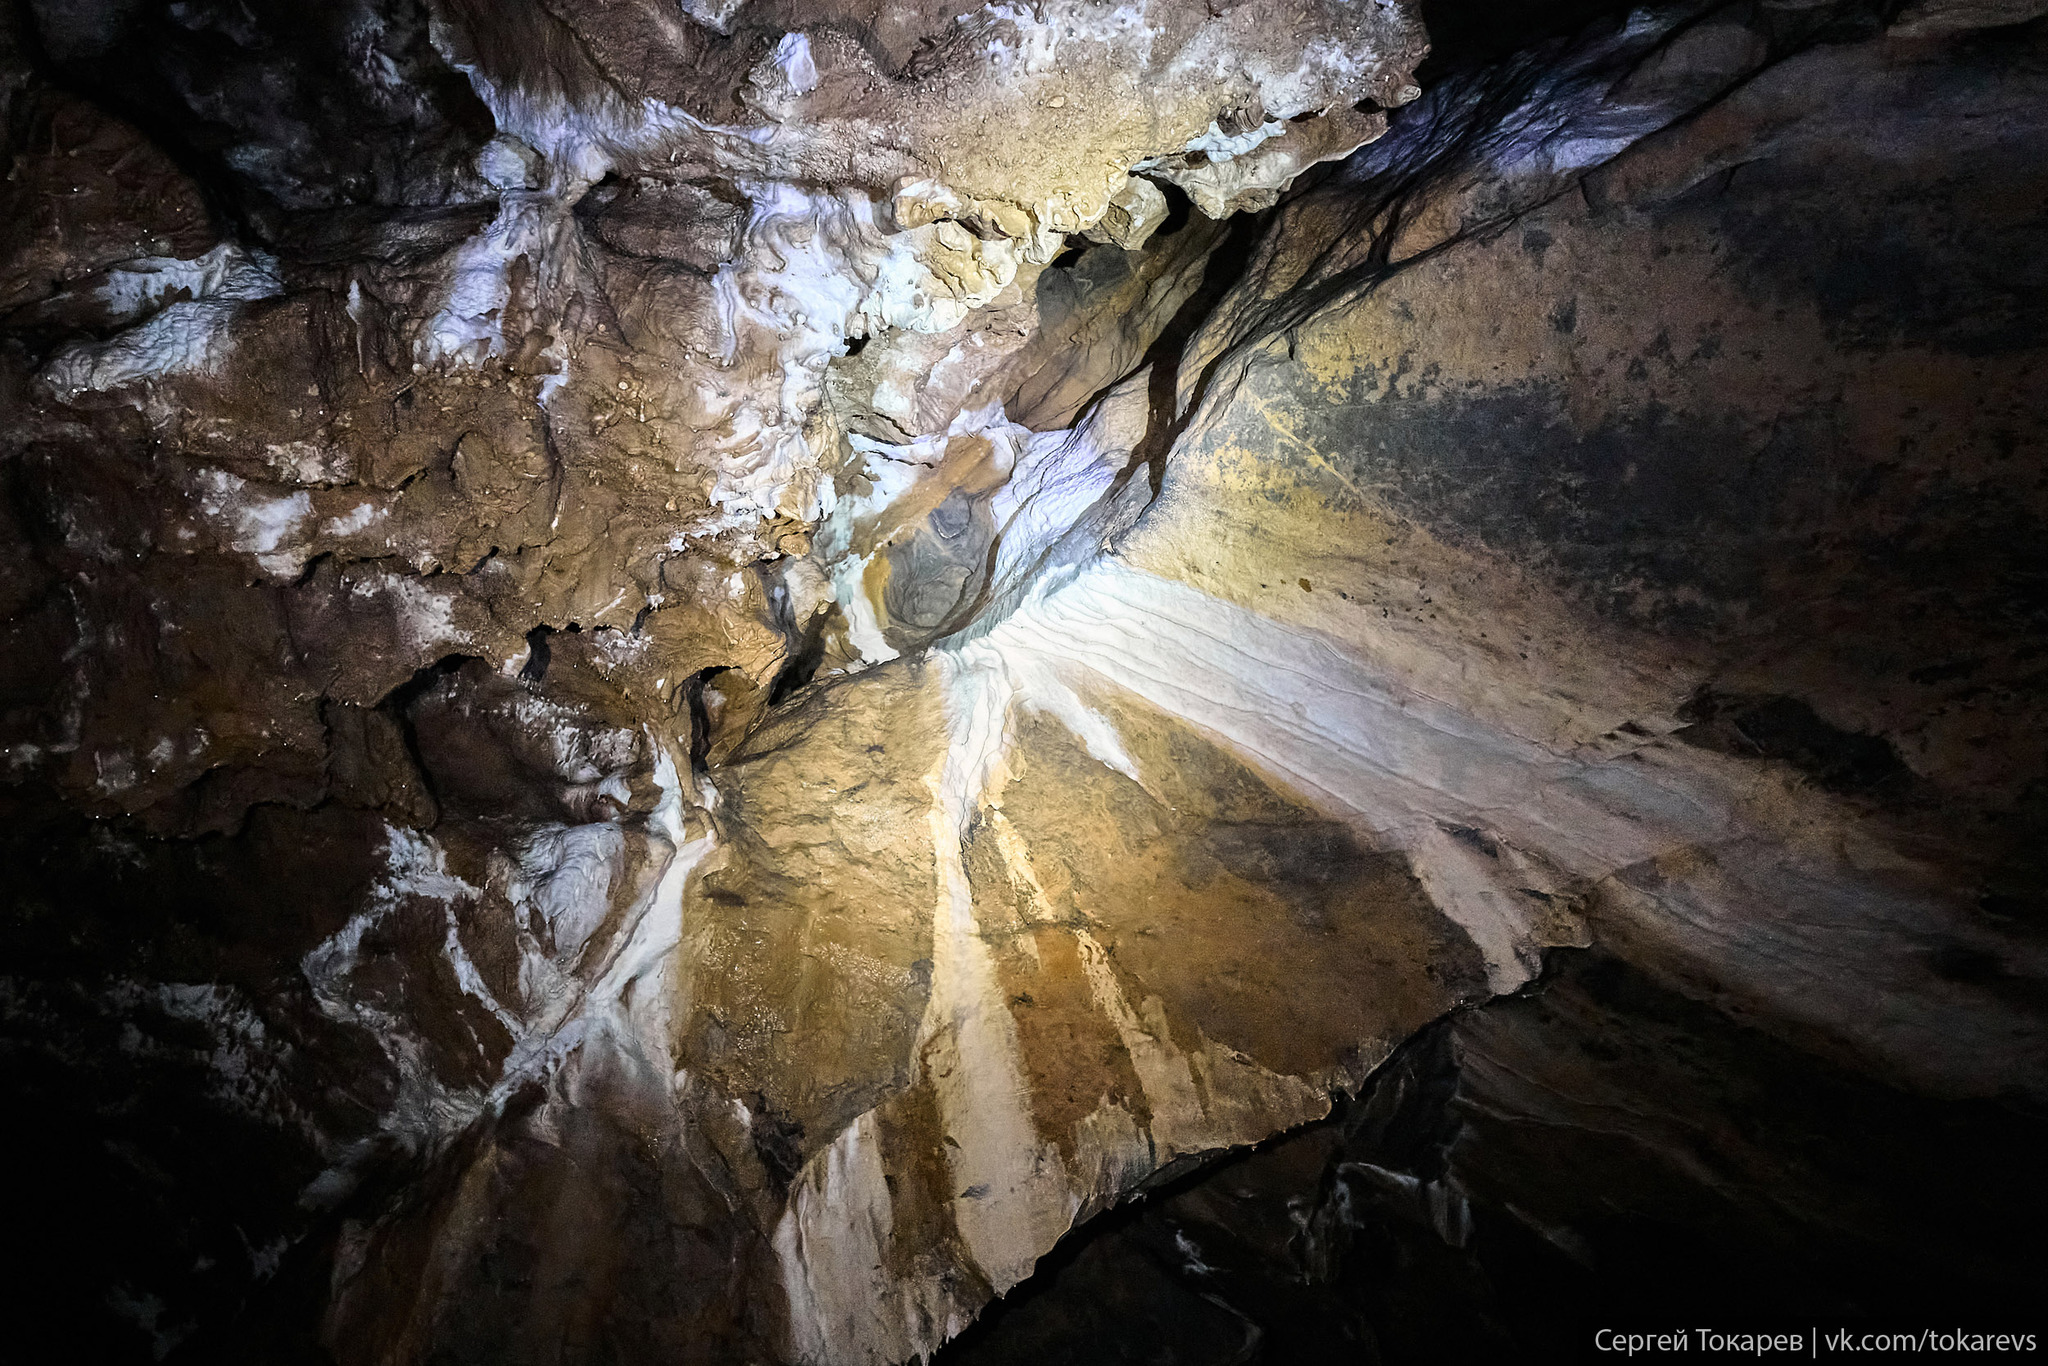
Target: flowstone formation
683, 681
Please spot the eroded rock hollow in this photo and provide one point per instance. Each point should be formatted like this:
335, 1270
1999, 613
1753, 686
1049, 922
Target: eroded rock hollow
826, 682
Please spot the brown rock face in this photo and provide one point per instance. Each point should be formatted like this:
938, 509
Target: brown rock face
785, 682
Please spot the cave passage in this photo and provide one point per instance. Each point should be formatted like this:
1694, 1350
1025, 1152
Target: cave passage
827, 683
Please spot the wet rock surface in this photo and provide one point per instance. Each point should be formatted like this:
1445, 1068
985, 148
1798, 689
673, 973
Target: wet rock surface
771, 682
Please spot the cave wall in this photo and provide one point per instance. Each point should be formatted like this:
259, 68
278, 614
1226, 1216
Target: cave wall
691, 684
1599, 1153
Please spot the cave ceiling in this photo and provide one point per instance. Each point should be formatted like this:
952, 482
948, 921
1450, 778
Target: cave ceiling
785, 680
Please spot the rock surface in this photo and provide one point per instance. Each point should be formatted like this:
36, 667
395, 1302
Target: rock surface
700, 683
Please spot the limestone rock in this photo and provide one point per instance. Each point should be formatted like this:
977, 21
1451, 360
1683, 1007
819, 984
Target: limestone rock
682, 682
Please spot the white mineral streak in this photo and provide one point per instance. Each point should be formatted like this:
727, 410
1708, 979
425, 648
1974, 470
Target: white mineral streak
194, 303
616, 994
1400, 767
424, 619
468, 326
1410, 773
1012, 1196
1673, 843
1053, 478
1218, 145
589, 1003
1207, 1099
847, 1306
565, 876
425, 1112
793, 59
254, 521
822, 263
577, 143
863, 627
1012, 1200
228, 272
1024, 40
818, 263
1058, 476
818, 267
1012, 1193
636, 993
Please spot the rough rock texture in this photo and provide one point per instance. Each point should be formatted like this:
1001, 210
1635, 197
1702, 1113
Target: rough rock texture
682, 682
1524, 1175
